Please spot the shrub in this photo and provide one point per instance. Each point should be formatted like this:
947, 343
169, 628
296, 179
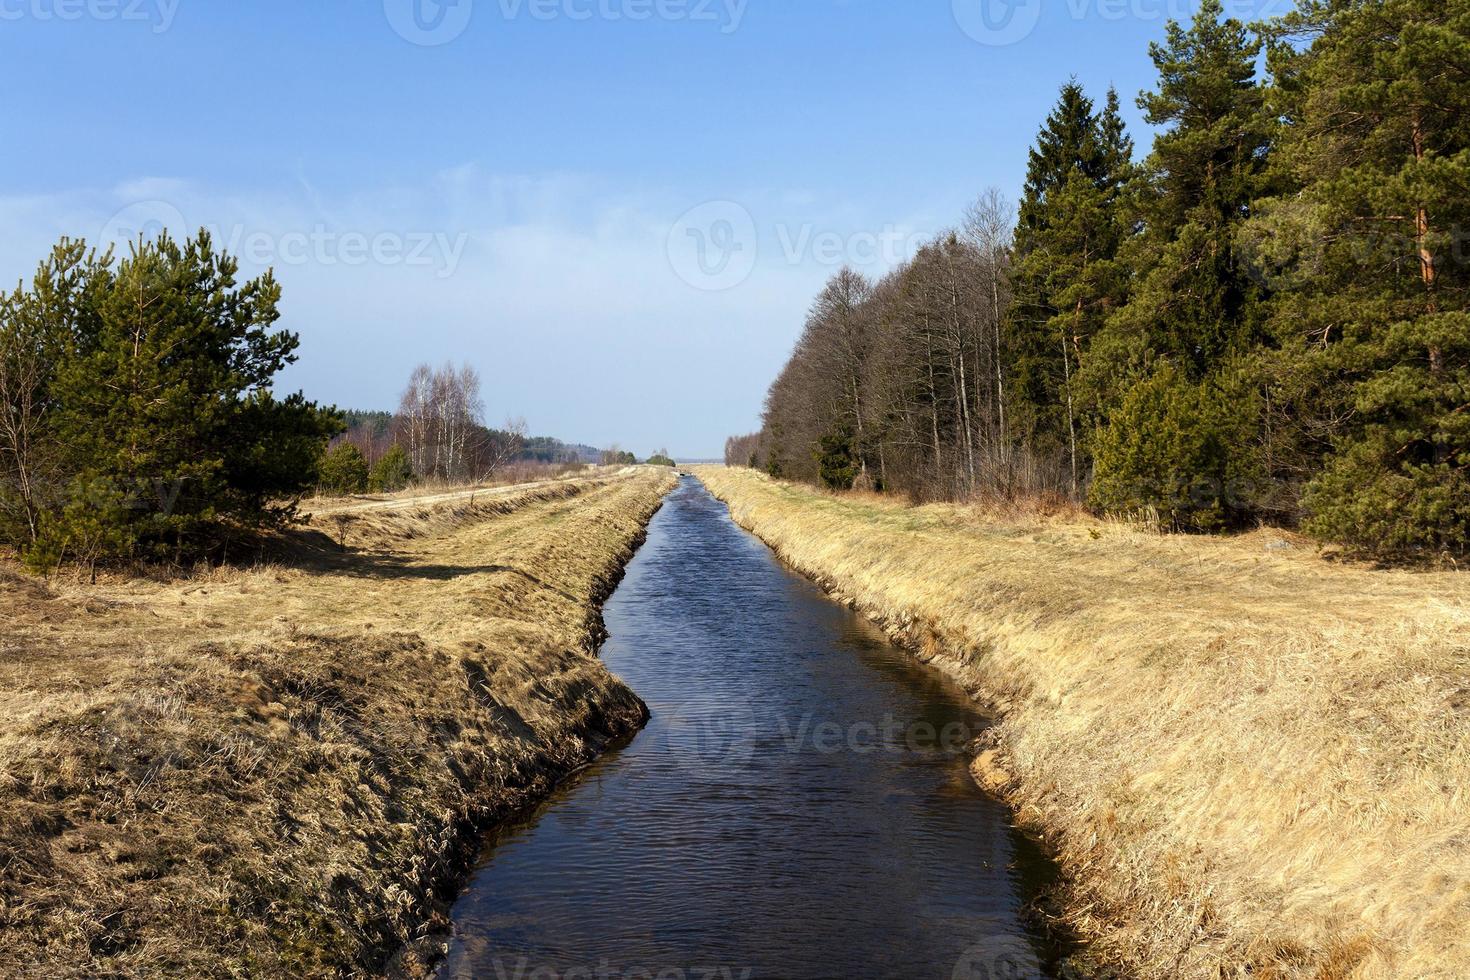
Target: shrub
344, 471
661, 459
837, 460
391, 473
1181, 450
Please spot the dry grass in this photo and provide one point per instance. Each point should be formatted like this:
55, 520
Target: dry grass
281, 770
1251, 760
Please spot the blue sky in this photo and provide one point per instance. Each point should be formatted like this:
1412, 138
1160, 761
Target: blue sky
618, 210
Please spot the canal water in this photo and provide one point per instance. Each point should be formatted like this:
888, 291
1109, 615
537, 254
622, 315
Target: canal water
798, 807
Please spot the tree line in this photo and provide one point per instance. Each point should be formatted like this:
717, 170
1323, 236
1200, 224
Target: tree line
438, 435
1267, 318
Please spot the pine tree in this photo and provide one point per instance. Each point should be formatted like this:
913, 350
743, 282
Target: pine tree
1169, 452
36, 329
1193, 301
1373, 313
163, 404
344, 471
1193, 304
393, 472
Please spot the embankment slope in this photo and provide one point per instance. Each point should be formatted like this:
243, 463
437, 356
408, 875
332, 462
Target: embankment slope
282, 771
1251, 760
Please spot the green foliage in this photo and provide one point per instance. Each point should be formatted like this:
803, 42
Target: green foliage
837, 459
661, 458
1192, 297
392, 472
1175, 448
1397, 479
1366, 251
372, 423
155, 426
36, 330
343, 471
1267, 319
1065, 278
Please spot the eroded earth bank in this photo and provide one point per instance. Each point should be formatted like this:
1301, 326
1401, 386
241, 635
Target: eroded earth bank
285, 769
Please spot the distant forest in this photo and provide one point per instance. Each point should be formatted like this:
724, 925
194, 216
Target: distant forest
439, 435
1267, 319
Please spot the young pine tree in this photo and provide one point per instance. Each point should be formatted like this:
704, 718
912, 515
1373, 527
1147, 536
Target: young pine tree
393, 471
344, 471
163, 402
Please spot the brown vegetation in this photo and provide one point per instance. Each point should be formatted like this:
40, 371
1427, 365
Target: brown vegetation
1251, 760
280, 770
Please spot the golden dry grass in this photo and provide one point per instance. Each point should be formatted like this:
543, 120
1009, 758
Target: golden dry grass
1251, 760
281, 770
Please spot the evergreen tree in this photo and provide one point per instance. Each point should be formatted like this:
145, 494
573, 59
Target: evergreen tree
37, 326
394, 472
1068, 142
344, 471
837, 462
163, 406
1065, 279
1169, 451
1373, 311
1192, 300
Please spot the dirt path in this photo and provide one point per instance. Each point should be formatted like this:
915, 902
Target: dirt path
357, 505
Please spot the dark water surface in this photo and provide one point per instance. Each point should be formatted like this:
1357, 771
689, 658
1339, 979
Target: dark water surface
793, 810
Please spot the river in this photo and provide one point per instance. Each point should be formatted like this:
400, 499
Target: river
798, 807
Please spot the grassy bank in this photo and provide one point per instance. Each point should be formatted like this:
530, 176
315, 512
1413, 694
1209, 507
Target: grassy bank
1251, 760
281, 770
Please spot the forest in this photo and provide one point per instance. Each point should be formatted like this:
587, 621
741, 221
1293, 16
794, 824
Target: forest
1265, 319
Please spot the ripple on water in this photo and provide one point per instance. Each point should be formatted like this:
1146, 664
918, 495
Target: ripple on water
796, 807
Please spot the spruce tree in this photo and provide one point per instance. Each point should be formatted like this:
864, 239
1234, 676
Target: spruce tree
1065, 279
